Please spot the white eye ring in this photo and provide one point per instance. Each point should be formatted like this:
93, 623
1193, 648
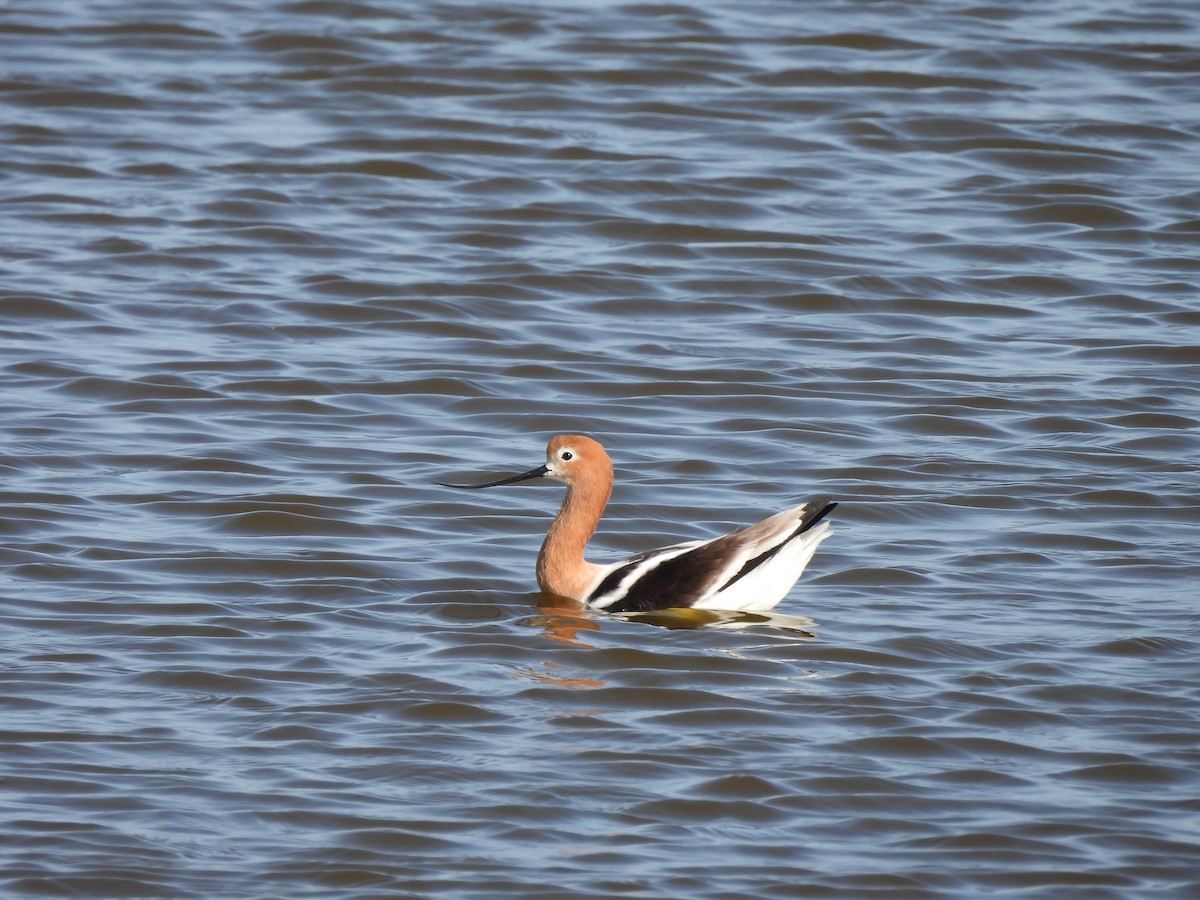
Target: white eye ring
566, 455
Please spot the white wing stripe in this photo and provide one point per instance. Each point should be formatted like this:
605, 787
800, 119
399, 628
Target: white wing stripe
635, 573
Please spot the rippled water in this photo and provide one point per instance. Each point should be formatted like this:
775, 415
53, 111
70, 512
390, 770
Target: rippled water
269, 270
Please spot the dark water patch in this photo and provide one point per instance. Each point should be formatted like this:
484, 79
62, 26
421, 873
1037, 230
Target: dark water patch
976, 778
1154, 421
1155, 646
1073, 696
856, 41
444, 712
213, 464
900, 746
92, 387
1087, 215
48, 308
685, 811
881, 577
209, 684
156, 170
116, 246
942, 425
189, 630
991, 716
877, 79
998, 848
25, 94
924, 647
1132, 775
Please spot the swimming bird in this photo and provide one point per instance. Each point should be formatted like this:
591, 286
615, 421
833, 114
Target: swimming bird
750, 569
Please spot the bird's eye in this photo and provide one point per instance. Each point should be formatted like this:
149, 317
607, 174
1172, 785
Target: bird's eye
566, 455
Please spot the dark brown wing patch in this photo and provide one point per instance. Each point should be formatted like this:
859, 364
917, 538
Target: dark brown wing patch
676, 582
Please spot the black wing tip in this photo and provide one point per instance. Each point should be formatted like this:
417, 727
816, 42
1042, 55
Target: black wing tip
821, 507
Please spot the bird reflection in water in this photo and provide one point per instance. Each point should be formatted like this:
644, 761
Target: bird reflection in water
562, 619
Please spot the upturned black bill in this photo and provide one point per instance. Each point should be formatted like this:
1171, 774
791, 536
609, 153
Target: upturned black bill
539, 472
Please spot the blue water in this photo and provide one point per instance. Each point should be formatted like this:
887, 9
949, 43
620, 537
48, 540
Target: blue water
269, 272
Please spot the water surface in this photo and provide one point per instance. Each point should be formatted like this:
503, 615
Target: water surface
268, 271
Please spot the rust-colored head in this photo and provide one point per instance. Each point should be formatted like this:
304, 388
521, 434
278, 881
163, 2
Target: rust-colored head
577, 460
573, 459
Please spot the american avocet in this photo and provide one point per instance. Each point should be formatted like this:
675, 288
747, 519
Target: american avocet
751, 569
